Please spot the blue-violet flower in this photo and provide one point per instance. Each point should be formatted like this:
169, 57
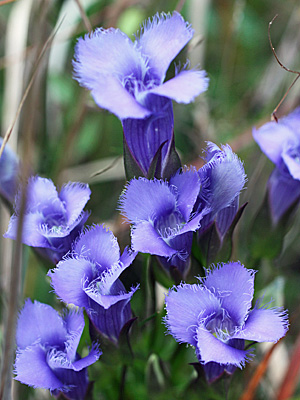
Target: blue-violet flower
47, 351
127, 78
89, 278
52, 220
280, 141
215, 317
161, 216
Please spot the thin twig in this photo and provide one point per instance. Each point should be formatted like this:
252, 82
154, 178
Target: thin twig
110, 166
45, 47
282, 66
180, 5
84, 17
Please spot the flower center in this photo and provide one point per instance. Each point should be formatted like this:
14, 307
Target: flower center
221, 325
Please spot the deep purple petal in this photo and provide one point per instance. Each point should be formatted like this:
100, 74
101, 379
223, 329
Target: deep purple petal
31, 368
272, 137
69, 279
98, 244
186, 306
110, 322
161, 40
184, 87
39, 323
146, 239
181, 259
75, 383
146, 200
233, 284
213, 370
264, 325
187, 186
283, 191
145, 136
212, 349
75, 195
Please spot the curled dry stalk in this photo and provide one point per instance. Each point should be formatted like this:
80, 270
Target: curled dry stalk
274, 116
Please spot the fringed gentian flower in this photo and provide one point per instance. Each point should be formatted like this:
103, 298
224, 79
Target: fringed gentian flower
280, 141
9, 171
127, 78
88, 278
222, 179
52, 220
215, 317
161, 216
47, 351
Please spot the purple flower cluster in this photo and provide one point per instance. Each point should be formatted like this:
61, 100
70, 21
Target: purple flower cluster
215, 317
129, 82
47, 351
164, 214
280, 141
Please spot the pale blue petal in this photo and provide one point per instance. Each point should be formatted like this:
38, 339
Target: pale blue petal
70, 278
147, 200
272, 137
264, 325
39, 323
233, 284
75, 195
187, 186
184, 87
31, 368
161, 39
146, 239
186, 306
212, 349
98, 244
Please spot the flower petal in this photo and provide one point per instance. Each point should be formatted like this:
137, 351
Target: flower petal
272, 137
74, 324
110, 322
233, 284
283, 192
186, 305
9, 167
75, 195
103, 62
32, 233
184, 87
109, 93
161, 40
69, 279
98, 244
187, 186
145, 200
212, 349
145, 238
222, 178
264, 325
39, 323
32, 368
